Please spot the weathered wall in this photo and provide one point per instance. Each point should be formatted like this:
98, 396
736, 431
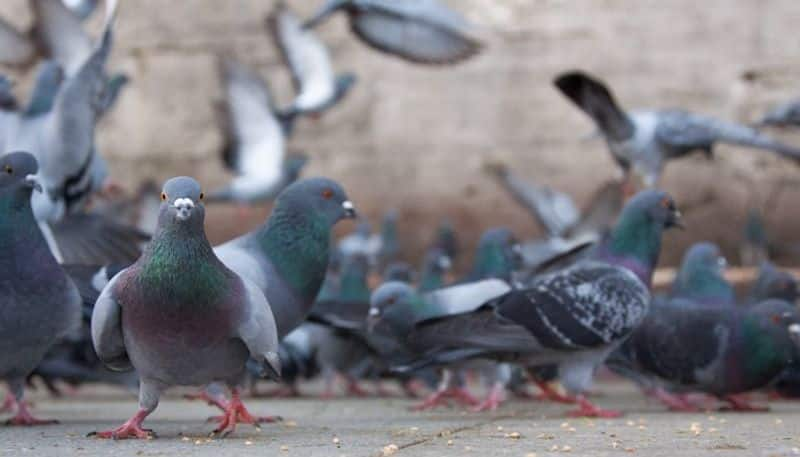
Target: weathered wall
416, 138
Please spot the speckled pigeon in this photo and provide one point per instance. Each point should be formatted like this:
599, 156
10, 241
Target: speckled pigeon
39, 302
573, 317
180, 317
318, 89
419, 31
642, 142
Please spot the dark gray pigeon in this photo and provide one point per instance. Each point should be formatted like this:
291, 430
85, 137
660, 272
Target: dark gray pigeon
701, 277
39, 304
573, 317
180, 317
419, 31
255, 149
642, 142
309, 62
683, 346
784, 115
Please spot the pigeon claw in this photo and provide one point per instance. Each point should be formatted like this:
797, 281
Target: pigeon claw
551, 394
673, 402
492, 401
588, 409
24, 418
741, 404
237, 413
132, 429
9, 404
439, 398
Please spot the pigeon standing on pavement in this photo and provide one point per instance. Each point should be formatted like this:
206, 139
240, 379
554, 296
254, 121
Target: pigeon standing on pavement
642, 142
419, 31
39, 302
318, 88
180, 317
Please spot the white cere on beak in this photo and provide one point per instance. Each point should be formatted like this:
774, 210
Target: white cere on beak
445, 263
722, 262
348, 205
184, 207
374, 312
794, 329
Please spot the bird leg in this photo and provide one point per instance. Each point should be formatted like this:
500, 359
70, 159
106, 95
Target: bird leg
671, 401
496, 397
212, 400
742, 404
235, 413
411, 388
25, 418
439, 398
9, 404
353, 389
130, 429
588, 409
551, 394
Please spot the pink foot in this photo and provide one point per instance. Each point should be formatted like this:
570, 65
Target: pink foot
24, 418
412, 388
355, 390
492, 401
588, 409
551, 394
672, 402
236, 413
742, 404
439, 398
9, 404
219, 402
130, 429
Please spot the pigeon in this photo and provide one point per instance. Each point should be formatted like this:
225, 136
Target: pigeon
318, 89
381, 249
497, 256
641, 142
435, 266
390, 242
256, 141
784, 115
701, 277
773, 283
447, 240
179, 316
573, 317
756, 245
419, 31
683, 346
40, 303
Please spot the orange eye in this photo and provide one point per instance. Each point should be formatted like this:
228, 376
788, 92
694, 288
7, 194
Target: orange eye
202, 196
666, 202
776, 319
327, 194
163, 196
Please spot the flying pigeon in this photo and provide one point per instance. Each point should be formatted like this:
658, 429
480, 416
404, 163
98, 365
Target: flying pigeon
318, 88
180, 317
682, 346
573, 317
39, 304
256, 141
641, 142
419, 31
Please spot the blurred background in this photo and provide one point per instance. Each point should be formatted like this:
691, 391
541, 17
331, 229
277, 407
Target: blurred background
417, 138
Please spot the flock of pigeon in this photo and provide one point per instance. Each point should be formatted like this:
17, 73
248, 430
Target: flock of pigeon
95, 292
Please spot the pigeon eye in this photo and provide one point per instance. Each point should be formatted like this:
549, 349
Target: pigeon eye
202, 196
163, 196
327, 194
667, 203
8, 169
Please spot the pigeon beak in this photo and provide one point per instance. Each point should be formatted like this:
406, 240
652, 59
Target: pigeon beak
184, 207
445, 263
373, 318
272, 366
676, 220
31, 182
349, 210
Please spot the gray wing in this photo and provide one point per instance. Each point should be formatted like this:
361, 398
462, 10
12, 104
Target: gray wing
595, 99
683, 132
258, 330
554, 211
420, 31
784, 115
107, 336
49, 77
15, 48
60, 35
93, 239
601, 212
462, 298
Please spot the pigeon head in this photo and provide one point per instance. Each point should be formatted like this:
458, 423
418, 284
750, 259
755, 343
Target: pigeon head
435, 265
182, 202
320, 198
773, 283
497, 256
701, 276
16, 174
392, 303
446, 238
635, 240
772, 331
